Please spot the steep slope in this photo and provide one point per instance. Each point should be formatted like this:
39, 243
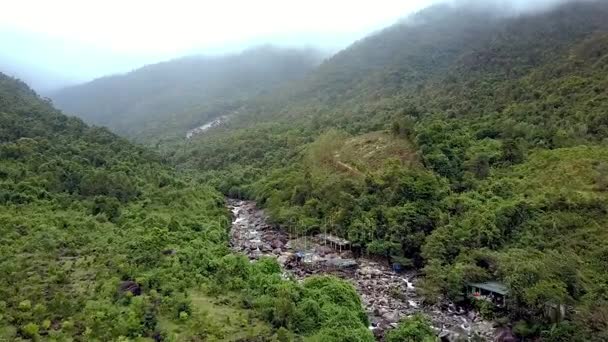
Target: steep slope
83, 218
100, 240
181, 94
503, 111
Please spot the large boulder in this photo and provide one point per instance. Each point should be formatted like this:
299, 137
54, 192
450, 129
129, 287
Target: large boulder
129, 286
277, 244
505, 335
369, 271
453, 336
391, 317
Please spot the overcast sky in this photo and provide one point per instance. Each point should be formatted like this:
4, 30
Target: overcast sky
75, 40
52, 43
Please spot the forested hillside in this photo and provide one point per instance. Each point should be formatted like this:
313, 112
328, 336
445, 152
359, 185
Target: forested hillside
102, 241
461, 143
468, 144
172, 97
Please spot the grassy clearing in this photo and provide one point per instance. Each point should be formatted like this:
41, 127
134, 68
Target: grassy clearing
218, 318
369, 151
358, 155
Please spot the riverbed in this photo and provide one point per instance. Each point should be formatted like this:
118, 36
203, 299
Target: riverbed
209, 125
386, 296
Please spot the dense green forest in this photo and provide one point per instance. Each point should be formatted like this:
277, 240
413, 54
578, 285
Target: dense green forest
469, 145
102, 240
162, 101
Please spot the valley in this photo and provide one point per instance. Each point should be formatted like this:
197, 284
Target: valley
387, 296
443, 178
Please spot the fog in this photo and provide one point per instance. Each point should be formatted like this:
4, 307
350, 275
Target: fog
511, 7
52, 44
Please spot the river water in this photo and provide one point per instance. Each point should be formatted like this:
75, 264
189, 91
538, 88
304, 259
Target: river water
386, 296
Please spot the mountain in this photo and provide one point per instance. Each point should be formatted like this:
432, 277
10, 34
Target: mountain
181, 94
101, 239
41, 79
466, 143
462, 143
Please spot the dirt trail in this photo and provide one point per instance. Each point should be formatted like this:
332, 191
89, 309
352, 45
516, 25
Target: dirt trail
386, 296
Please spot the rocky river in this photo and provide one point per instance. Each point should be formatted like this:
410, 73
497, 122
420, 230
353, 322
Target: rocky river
387, 296
209, 125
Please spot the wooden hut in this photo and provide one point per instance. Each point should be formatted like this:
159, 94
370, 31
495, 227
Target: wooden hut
493, 291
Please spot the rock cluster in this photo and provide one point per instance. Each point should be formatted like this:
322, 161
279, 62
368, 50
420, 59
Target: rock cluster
386, 296
252, 235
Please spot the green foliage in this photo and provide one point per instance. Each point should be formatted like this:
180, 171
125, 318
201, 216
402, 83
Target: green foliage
313, 309
601, 180
544, 219
30, 330
83, 211
283, 335
485, 309
471, 145
101, 241
414, 329
496, 170
343, 334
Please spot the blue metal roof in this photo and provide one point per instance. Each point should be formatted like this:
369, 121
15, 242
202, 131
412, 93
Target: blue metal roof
492, 286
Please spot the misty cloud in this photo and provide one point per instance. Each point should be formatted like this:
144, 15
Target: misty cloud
511, 7
64, 42
84, 40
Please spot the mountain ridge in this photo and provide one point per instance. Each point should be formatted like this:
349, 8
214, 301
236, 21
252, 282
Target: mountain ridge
467, 147
497, 110
184, 92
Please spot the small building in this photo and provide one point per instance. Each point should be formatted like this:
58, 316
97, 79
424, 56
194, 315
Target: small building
492, 291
